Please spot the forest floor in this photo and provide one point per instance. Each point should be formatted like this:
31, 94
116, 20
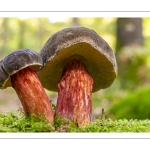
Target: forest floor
9, 102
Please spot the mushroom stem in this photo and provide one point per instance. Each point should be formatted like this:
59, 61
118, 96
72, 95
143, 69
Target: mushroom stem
31, 93
75, 94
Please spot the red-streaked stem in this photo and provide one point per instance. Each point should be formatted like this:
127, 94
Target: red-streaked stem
75, 94
31, 93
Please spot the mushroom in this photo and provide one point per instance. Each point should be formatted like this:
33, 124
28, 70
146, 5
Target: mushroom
77, 62
18, 70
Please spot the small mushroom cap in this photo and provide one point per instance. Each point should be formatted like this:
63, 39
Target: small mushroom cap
3, 76
96, 54
16, 61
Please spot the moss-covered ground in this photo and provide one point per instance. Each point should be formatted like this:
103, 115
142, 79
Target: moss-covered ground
14, 122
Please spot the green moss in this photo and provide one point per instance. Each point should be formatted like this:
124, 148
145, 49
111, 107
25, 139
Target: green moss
21, 123
122, 125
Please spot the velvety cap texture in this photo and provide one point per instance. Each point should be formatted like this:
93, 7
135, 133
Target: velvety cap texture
16, 61
95, 52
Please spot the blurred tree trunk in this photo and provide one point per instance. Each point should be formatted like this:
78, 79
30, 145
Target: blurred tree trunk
75, 22
21, 34
40, 33
4, 35
128, 47
129, 32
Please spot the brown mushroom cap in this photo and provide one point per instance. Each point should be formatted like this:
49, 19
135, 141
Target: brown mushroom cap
96, 54
3, 76
16, 61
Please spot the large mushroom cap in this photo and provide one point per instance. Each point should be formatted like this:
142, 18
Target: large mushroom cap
16, 61
96, 54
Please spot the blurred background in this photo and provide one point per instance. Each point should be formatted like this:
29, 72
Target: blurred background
128, 96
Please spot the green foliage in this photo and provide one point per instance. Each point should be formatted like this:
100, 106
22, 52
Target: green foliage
96, 100
133, 66
135, 105
146, 32
29, 33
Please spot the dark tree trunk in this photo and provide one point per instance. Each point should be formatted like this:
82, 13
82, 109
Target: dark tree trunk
75, 22
21, 33
4, 27
40, 32
129, 43
129, 32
